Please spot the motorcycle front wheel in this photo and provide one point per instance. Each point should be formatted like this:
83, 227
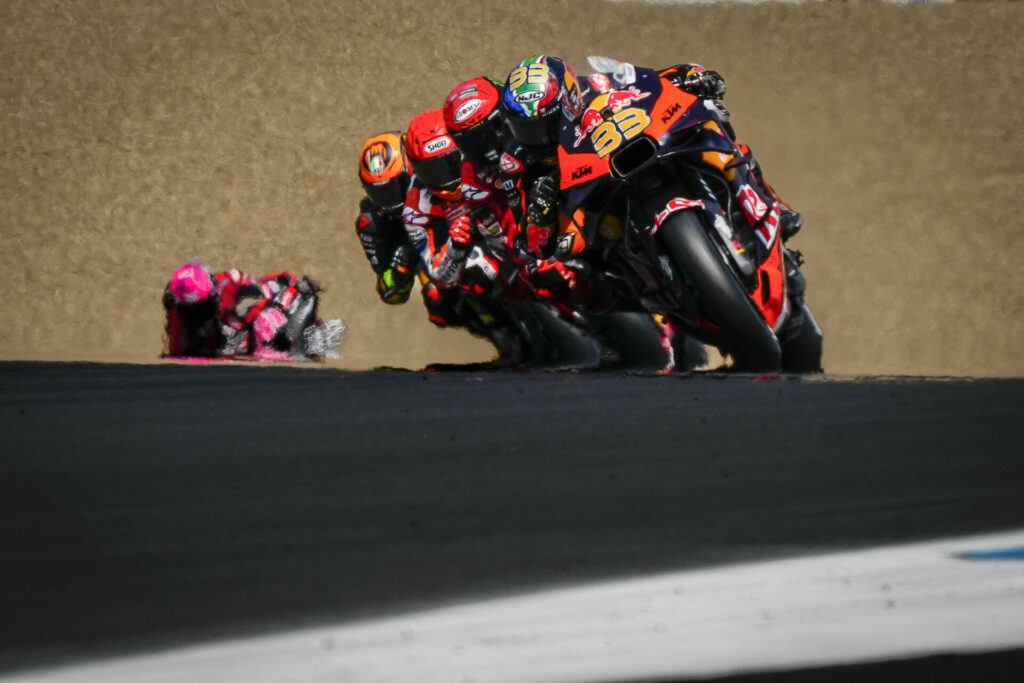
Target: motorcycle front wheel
744, 333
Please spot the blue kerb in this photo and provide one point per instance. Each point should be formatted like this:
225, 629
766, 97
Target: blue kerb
1001, 554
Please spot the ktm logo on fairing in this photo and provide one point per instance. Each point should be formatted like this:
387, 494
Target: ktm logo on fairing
667, 116
581, 171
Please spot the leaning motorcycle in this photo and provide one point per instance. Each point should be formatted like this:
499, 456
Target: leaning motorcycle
661, 204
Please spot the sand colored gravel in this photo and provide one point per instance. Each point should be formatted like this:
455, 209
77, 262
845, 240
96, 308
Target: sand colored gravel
139, 135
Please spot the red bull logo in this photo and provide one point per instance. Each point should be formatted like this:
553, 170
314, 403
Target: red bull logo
590, 120
611, 102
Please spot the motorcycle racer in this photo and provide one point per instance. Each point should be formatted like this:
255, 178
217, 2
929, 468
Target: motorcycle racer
382, 233
384, 174
710, 85
540, 93
454, 213
703, 83
205, 316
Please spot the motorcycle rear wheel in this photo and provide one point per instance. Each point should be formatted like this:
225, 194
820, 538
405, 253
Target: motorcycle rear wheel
745, 334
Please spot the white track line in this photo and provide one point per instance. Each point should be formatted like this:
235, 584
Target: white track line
901, 601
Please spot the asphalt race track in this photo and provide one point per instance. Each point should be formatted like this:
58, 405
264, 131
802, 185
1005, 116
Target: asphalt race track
142, 506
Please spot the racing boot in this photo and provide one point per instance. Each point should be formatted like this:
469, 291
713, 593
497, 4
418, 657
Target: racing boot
801, 337
790, 221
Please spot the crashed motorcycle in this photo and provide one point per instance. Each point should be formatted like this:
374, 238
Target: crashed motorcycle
661, 204
277, 319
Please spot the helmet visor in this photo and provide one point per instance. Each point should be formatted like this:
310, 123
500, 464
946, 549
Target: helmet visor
536, 131
481, 143
441, 172
389, 195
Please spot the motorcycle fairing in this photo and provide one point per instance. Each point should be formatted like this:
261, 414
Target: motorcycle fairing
685, 128
770, 294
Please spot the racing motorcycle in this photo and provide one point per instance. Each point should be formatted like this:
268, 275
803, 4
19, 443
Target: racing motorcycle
283, 322
662, 204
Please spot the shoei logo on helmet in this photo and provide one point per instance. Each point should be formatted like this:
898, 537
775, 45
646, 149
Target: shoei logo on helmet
529, 96
436, 145
466, 110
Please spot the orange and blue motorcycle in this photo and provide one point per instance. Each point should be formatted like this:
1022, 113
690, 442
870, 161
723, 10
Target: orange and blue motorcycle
660, 202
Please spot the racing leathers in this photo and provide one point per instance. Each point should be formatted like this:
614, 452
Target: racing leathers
387, 248
216, 325
437, 229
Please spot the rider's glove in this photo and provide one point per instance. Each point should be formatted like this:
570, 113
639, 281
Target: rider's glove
394, 285
542, 201
551, 278
704, 83
460, 234
404, 256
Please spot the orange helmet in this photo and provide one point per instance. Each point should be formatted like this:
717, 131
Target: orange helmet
383, 170
433, 156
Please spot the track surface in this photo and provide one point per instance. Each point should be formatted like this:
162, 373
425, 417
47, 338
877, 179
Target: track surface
151, 505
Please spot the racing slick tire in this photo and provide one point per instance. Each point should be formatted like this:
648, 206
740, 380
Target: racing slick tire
744, 333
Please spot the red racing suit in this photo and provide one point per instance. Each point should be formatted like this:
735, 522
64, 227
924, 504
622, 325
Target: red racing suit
427, 218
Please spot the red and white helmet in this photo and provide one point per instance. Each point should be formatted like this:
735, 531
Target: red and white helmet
473, 117
434, 157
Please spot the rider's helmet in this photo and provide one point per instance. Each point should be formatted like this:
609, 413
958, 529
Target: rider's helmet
539, 93
384, 172
435, 159
473, 118
190, 284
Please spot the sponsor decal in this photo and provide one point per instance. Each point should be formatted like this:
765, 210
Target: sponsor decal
676, 205
611, 102
529, 96
618, 99
752, 204
448, 268
770, 227
509, 164
466, 110
565, 242
581, 171
590, 120
670, 112
474, 194
437, 144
